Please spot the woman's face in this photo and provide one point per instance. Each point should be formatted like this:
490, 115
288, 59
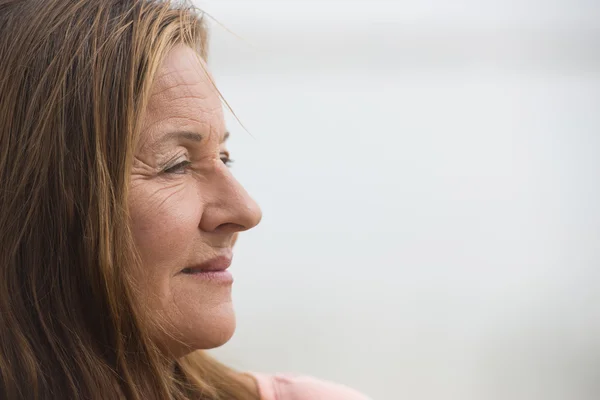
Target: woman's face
186, 208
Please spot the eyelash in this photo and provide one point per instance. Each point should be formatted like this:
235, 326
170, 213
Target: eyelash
180, 168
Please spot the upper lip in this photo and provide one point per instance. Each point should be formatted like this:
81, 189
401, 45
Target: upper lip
219, 263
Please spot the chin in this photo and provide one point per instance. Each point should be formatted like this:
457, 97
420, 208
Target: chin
221, 334
206, 332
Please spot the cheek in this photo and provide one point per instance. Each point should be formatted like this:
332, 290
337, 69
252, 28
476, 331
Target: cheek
164, 224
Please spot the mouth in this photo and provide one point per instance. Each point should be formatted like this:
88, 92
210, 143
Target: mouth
213, 270
216, 264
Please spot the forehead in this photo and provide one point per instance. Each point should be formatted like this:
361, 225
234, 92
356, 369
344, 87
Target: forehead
183, 96
181, 66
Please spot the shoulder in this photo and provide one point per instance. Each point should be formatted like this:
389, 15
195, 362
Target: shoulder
294, 387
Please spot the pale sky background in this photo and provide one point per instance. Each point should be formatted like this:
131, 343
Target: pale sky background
429, 173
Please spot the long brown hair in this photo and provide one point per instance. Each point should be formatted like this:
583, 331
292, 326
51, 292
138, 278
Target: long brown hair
74, 80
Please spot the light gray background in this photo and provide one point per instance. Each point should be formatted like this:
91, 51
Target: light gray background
429, 175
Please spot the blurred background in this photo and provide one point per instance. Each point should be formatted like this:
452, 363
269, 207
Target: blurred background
429, 173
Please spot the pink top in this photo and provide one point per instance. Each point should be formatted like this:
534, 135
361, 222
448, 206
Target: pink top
291, 387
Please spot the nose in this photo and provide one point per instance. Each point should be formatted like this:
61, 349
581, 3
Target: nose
230, 208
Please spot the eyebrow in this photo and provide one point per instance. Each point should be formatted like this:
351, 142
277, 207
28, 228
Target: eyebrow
188, 135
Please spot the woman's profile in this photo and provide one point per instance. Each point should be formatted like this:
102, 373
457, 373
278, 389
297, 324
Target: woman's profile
118, 212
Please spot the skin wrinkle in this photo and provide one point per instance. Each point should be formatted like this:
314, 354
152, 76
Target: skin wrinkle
186, 217
174, 86
183, 95
199, 122
165, 87
165, 199
155, 126
163, 78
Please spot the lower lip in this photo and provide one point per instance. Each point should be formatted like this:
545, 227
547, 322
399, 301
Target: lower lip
213, 276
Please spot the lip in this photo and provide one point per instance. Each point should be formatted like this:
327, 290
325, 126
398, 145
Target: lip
217, 264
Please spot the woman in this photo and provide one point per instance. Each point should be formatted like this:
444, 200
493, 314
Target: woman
117, 211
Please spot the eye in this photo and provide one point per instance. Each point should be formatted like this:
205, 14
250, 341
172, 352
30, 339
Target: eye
178, 168
226, 160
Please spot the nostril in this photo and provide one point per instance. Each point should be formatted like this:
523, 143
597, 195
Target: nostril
230, 227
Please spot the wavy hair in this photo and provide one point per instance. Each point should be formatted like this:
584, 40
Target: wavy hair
75, 77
